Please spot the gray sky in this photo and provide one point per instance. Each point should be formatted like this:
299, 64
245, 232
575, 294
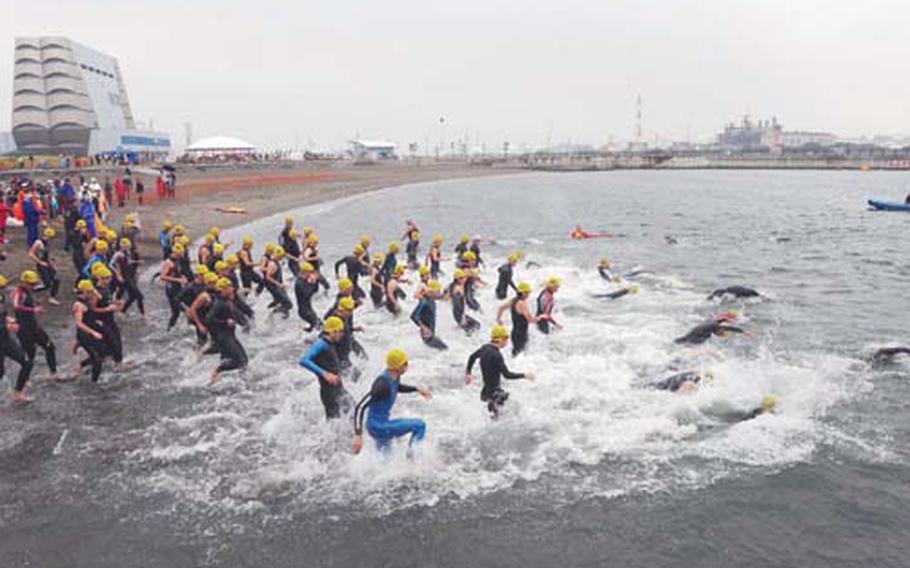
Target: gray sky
275, 72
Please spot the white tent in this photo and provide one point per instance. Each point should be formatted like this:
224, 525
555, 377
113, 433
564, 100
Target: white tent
220, 145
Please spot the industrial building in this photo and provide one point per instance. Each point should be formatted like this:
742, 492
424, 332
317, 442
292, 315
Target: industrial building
70, 99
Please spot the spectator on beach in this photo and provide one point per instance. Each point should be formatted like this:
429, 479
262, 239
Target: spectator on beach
120, 190
108, 190
140, 190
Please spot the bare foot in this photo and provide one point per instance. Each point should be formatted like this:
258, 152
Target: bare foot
20, 398
53, 301
214, 378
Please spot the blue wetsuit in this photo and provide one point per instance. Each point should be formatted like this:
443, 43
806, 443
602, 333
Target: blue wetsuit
388, 267
320, 359
380, 401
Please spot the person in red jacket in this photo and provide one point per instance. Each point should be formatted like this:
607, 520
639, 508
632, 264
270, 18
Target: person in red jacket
120, 191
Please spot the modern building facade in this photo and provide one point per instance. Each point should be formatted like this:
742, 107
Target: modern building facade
71, 99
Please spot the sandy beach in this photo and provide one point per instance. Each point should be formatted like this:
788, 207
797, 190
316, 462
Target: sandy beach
259, 191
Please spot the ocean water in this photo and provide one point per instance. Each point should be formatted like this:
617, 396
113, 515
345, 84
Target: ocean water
587, 466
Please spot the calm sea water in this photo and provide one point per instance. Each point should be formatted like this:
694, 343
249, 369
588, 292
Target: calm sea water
588, 467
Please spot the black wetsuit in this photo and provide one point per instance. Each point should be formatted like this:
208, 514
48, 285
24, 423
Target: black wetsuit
109, 329
377, 292
889, 352
248, 274
475, 248
304, 290
703, 332
411, 251
233, 356
355, 269
505, 281
544, 309
280, 301
735, 291
519, 329
292, 248
493, 368
30, 332
48, 272
614, 295
605, 273
673, 382
425, 314
469, 298
10, 348
388, 267
93, 347
464, 321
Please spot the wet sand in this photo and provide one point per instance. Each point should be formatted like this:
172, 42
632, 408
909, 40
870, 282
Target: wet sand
259, 191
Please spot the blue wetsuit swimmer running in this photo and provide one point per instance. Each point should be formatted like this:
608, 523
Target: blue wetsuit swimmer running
378, 403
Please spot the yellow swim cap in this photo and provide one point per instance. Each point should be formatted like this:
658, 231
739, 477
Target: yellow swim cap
125, 243
223, 283
3, 281
498, 332
465, 239
469, 256
347, 304
85, 286
358, 249
458, 274
437, 238
524, 288
269, 247
211, 279
201, 269
247, 240
218, 248
393, 248
293, 233
345, 284
178, 248
306, 267
103, 272
232, 260
81, 224
49, 233
769, 402
435, 286
101, 246
279, 251
221, 265
364, 239
423, 270
167, 225
332, 324
215, 231
399, 269
179, 229
30, 277
513, 258
553, 282
396, 359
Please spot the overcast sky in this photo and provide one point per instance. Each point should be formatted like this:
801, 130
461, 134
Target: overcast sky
279, 72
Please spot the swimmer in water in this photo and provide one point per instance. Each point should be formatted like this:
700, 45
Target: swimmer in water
618, 293
888, 353
719, 326
393, 291
687, 381
424, 316
505, 277
456, 293
603, 268
768, 406
546, 301
221, 322
434, 257
734, 291
356, 265
493, 369
377, 405
305, 287
322, 360
521, 317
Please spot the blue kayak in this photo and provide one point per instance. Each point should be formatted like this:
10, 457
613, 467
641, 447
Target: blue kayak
889, 205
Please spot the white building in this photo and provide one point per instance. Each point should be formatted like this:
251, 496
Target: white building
798, 138
70, 99
373, 151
